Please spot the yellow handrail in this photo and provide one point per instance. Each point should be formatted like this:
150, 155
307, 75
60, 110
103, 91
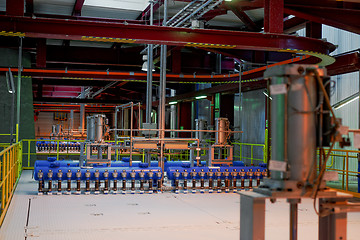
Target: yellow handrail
10, 171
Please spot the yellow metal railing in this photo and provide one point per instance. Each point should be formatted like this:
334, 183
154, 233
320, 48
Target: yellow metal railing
341, 161
10, 170
251, 146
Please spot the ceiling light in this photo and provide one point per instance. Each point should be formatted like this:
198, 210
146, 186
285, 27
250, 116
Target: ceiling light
145, 67
172, 103
346, 103
200, 97
267, 95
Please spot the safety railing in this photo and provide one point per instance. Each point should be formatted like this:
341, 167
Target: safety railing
249, 154
10, 170
345, 162
61, 148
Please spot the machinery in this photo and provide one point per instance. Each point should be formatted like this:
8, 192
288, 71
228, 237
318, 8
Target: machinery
302, 120
97, 173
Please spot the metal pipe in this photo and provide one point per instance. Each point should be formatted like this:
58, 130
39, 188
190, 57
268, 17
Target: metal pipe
149, 71
293, 218
18, 102
82, 110
131, 127
177, 130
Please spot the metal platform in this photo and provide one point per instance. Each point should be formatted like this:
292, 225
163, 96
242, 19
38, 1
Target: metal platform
156, 216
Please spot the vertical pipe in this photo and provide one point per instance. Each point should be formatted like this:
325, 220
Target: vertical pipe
162, 90
359, 128
131, 132
240, 103
71, 124
149, 71
82, 111
293, 218
18, 90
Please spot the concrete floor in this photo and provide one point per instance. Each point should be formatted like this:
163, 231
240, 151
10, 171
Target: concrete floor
157, 216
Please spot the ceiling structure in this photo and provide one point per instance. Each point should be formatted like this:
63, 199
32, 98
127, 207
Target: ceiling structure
98, 45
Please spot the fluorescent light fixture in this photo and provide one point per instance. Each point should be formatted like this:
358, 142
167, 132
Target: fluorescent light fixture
145, 67
267, 95
346, 103
172, 103
200, 97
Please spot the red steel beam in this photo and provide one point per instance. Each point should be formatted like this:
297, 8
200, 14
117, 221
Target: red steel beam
77, 7
244, 18
136, 76
346, 19
314, 30
29, 7
345, 64
294, 24
146, 13
15, 7
213, 13
131, 33
41, 53
274, 16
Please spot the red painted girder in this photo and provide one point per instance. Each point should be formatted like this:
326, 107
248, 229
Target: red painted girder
77, 7
15, 7
213, 13
29, 7
274, 16
345, 64
76, 29
146, 12
294, 24
120, 76
246, 5
243, 17
346, 19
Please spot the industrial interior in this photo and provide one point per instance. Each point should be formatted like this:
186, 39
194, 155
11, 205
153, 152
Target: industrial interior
166, 119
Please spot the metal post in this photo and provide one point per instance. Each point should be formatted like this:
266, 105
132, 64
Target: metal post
359, 128
162, 91
293, 218
82, 111
18, 102
252, 214
149, 71
240, 102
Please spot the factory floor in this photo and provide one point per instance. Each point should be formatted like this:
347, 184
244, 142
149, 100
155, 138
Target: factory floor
156, 216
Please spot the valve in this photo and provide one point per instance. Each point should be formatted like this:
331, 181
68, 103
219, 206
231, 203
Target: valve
142, 179
115, 176
210, 174
41, 182
87, 182
97, 182
78, 181
68, 175
150, 175
218, 176
123, 176
106, 181
185, 175
202, 181
193, 174
59, 176
50, 176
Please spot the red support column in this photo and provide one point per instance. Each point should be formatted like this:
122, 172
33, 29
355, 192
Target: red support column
314, 30
274, 16
15, 7
176, 60
41, 53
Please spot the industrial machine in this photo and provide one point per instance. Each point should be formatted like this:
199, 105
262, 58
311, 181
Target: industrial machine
96, 172
302, 120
